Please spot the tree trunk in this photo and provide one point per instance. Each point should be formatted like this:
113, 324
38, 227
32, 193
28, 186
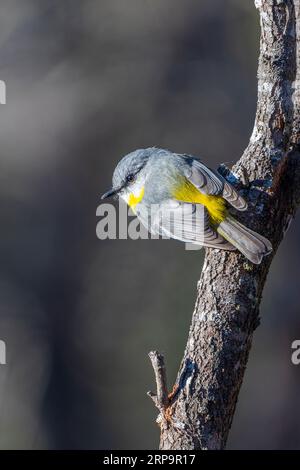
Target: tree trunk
200, 410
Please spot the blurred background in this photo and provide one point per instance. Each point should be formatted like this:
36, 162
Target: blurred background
87, 82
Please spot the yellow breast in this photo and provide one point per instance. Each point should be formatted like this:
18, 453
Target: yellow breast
133, 199
216, 205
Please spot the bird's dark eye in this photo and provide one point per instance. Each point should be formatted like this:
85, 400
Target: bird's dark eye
130, 178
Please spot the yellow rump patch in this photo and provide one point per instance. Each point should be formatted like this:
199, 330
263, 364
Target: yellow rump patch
134, 200
215, 205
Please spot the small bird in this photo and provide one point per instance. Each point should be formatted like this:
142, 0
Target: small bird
176, 195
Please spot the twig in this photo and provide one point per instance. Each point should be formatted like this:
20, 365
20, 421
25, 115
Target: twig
160, 398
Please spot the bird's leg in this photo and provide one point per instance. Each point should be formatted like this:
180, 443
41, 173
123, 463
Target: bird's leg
244, 178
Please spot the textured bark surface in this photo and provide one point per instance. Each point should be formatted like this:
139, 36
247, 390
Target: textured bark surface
200, 411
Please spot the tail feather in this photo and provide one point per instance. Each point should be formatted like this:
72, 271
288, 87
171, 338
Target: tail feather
253, 245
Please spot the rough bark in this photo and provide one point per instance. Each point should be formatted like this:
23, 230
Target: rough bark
200, 410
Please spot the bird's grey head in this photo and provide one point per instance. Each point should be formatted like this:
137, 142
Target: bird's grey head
130, 173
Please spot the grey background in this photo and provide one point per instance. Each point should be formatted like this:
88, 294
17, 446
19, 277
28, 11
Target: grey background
87, 82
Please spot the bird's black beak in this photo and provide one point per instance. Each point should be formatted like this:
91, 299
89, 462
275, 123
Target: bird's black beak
109, 193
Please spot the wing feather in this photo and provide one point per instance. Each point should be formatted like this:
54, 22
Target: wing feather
188, 223
211, 182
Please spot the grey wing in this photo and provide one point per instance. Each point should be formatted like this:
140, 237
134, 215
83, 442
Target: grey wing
188, 223
211, 182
